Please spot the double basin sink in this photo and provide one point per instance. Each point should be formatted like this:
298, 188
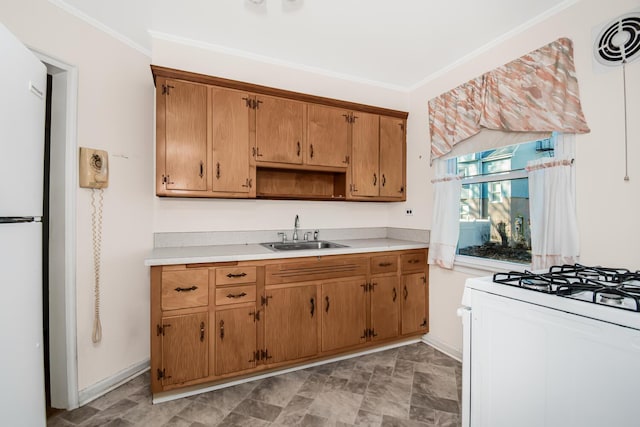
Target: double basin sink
303, 245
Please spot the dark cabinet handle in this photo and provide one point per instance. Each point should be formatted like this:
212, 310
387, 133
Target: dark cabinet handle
192, 288
384, 264
311, 151
235, 276
298, 151
395, 294
218, 170
240, 295
313, 306
406, 293
375, 179
384, 180
326, 308
222, 329
201, 331
201, 169
414, 261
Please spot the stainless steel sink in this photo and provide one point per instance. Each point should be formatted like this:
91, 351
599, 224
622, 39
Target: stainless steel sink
299, 246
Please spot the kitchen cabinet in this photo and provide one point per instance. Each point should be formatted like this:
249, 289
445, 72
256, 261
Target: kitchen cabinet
291, 322
378, 158
181, 132
344, 315
279, 130
211, 323
236, 345
203, 141
184, 348
228, 139
230, 120
328, 132
415, 293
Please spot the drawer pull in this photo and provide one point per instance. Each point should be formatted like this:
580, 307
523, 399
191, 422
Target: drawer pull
240, 295
326, 308
385, 264
222, 329
234, 276
395, 295
406, 293
201, 331
313, 306
414, 261
192, 288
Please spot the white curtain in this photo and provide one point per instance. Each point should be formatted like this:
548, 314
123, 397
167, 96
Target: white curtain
554, 226
446, 216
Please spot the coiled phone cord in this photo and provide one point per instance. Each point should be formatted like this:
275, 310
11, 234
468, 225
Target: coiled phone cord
96, 229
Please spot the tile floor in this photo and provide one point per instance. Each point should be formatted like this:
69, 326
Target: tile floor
413, 385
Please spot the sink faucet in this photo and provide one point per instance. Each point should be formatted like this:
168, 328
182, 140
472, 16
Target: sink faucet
296, 225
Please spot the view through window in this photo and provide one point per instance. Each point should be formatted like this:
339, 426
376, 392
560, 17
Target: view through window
494, 202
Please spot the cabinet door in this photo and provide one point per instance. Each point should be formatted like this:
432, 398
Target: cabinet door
343, 313
185, 135
235, 340
291, 323
230, 118
279, 130
414, 303
385, 298
365, 178
184, 348
327, 136
392, 155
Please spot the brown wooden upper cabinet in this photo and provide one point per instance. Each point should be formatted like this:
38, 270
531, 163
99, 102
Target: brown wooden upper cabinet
379, 153
279, 130
217, 138
328, 132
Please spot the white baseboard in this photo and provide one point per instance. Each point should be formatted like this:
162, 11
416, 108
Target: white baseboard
103, 387
443, 347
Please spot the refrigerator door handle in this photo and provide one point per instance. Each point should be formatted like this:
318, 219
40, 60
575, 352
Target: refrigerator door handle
16, 219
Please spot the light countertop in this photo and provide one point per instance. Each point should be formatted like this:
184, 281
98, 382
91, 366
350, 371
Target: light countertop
249, 252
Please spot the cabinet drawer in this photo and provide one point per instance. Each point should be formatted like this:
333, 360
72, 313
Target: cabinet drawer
235, 294
384, 264
185, 289
233, 275
413, 262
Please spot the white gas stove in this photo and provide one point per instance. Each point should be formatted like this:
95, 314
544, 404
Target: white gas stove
556, 348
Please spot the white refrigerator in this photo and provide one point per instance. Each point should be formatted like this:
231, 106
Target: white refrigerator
22, 111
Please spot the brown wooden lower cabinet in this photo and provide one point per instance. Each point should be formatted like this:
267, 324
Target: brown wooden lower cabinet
184, 348
235, 332
270, 314
344, 315
291, 323
414, 309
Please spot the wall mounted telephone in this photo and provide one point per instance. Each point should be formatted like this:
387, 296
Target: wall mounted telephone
94, 168
94, 174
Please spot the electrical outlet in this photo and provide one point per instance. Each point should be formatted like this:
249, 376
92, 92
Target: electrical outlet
409, 212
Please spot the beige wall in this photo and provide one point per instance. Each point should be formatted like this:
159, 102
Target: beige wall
115, 96
607, 206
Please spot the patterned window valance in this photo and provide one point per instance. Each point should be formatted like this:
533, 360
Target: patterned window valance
535, 93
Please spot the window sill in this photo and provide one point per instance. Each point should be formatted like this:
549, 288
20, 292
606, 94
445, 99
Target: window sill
483, 267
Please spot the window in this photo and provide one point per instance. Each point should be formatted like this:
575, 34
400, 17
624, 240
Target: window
494, 201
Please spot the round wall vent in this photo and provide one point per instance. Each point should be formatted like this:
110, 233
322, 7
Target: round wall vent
619, 42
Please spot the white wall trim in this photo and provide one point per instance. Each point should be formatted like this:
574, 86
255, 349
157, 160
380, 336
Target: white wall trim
100, 26
70, 400
496, 42
272, 61
104, 386
442, 346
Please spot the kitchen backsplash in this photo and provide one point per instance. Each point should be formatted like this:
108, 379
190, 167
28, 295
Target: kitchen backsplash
208, 238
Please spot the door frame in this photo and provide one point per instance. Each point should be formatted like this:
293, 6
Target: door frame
63, 354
